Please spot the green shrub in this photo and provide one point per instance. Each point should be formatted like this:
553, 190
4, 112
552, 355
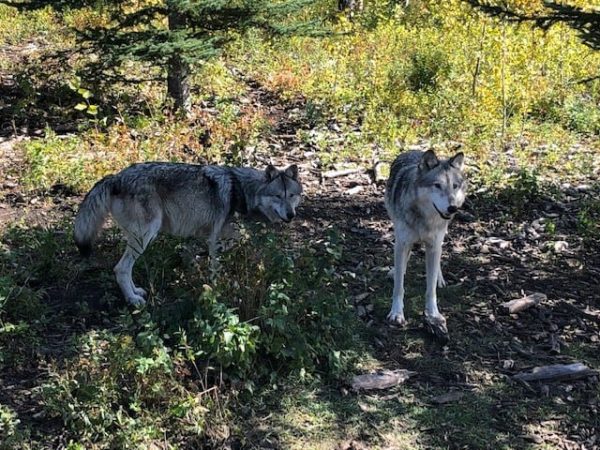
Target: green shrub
582, 114
123, 390
11, 434
273, 311
427, 68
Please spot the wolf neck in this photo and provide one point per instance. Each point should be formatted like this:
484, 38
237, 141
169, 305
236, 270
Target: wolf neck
245, 185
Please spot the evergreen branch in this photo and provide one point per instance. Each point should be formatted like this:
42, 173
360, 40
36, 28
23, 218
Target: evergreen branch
143, 16
58, 5
587, 23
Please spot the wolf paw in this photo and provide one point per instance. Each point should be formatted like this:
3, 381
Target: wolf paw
397, 318
436, 325
136, 300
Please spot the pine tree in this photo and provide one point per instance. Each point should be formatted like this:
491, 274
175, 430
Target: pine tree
175, 35
585, 21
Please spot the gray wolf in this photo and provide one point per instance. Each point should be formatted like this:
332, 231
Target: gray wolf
422, 195
183, 200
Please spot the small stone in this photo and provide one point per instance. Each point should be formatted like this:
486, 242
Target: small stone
508, 364
561, 246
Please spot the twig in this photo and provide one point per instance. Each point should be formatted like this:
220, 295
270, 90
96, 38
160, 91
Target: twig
521, 304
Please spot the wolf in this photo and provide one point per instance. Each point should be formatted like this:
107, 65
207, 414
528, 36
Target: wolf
422, 195
183, 200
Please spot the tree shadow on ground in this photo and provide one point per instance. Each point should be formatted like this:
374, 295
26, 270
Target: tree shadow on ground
495, 256
42, 93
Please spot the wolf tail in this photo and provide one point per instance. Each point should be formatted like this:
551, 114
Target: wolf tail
92, 214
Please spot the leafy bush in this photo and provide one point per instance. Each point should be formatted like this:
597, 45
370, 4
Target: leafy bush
427, 68
293, 309
583, 115
11, 436
125, 391
273, 311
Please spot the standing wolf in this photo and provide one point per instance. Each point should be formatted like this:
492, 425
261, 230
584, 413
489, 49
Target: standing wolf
183, 200
422, 194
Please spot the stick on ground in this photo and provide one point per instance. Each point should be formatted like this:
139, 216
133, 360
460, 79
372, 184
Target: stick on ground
557, 372
521, 304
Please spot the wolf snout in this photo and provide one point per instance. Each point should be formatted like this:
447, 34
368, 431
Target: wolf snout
452, 209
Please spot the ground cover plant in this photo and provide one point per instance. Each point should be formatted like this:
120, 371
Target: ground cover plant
263, 355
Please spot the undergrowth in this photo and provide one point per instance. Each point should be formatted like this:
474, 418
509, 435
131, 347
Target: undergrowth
171, 368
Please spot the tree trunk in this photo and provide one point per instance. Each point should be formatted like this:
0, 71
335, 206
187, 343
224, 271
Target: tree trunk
178, 86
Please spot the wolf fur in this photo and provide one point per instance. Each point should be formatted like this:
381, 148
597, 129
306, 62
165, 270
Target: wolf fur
422, 195
183, 200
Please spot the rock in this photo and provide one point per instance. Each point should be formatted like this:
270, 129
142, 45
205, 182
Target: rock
561, 246
381, 380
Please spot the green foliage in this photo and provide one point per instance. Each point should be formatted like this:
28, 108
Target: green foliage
216, 334
16, 28
588, 218
583, 18
578, 113
157, 33
287, 324
85, 95
274, 311
583, 115
123, 390
11, 434
426, 69
434, 70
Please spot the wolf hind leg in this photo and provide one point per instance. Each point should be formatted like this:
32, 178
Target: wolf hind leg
136, 244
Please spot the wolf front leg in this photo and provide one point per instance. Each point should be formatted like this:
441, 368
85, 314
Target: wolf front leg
433, 318
401, 256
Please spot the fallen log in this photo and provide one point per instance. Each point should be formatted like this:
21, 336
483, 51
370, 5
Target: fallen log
557, 372
521, 304
341, 173
381, 380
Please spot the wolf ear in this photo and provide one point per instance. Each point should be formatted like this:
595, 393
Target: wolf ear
428, 161
457, 160
271, 172
292, 172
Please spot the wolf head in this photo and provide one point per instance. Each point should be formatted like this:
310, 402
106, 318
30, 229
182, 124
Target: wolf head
281, 194
441, 184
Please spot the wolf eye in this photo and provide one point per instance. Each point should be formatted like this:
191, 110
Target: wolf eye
438, 185
455, 185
